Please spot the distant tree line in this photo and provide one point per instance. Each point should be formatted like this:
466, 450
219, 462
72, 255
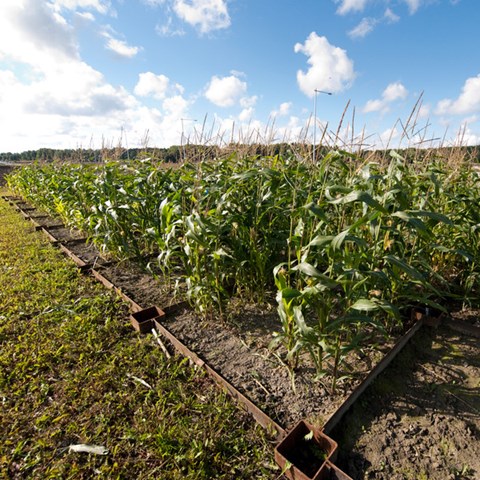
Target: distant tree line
191, 152
173, 154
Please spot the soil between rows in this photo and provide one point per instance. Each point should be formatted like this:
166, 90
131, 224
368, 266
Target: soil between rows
421, 418
240, 353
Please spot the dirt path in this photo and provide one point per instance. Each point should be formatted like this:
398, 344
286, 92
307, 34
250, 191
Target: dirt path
421, 418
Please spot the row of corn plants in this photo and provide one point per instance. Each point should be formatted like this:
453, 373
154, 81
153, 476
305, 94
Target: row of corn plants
347, 245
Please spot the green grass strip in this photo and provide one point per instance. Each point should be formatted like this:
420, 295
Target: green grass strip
73, 371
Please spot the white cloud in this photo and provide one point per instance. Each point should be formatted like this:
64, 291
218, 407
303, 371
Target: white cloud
246, 114
282, 111
206, 15
154, 3
247, 102
467, 103
121, 48
387, 136
117, 46
347, 6
363, 28
156, 86
85, 16
151, 84
101, 6
285, 108
168, 29
390, 16
31, 32
393, 92
225, 91
175, 106
413, 5
330, 68
424, 111
356, 6
465, 136
7, 80
56, 99
74, 88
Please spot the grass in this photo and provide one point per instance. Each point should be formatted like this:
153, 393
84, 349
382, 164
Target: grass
73, 371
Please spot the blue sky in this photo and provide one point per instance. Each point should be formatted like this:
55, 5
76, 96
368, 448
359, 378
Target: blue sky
92, 73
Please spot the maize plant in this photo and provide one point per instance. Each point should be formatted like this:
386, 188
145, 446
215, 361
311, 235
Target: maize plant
348, 245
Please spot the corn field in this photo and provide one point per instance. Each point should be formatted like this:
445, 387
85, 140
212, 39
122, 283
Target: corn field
344, 245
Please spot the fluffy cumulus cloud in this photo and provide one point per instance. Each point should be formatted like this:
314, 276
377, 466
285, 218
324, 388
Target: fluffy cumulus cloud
283, 110
225, 91
330, 68
156, 86
74, 88
248, 105
32, 32
468, 101
54, 98
206, 15
57, 81
393, 92
248, 102
465, 136
424, 111
388, 136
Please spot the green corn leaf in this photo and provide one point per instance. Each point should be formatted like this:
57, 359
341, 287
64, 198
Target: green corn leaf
311, 271
408, 269
416, 223
288, 293
305, 330
364, 304
338, 240
321, 240
359, 196
438, 217
317, 211
299, 228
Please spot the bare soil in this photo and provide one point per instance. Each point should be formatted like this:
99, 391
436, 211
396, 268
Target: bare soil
87, 252
66, 234
139, 285
421, 418
240, 352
